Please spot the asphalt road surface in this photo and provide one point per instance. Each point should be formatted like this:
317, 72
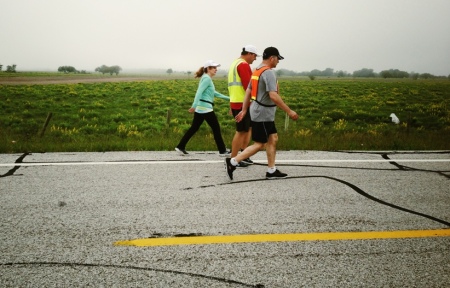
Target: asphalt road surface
158, 219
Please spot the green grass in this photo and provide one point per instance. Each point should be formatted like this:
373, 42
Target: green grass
344, 114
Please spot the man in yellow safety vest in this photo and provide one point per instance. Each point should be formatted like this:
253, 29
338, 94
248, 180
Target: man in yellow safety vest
239, 76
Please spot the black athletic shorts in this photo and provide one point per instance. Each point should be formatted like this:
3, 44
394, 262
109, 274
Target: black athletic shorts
245, 124
262, 130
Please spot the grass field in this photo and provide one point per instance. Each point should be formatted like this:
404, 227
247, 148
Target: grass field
132, 114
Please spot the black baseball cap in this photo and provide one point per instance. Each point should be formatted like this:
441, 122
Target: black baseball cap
272, 51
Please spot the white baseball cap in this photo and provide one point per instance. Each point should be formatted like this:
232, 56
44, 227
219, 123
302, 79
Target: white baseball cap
211, 63
251, 49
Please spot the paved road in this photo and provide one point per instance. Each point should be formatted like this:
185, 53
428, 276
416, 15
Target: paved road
107, 219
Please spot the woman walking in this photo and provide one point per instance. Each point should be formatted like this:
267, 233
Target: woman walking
202, 107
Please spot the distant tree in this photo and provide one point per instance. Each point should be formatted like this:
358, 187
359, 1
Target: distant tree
386, 74
11, 68
189, 73
394, 73
106, 69
279, 73
401, 74
426, 76
1, 67
447, 77
169, 71
315, 72
365, 72
340, 73
414, 76
328, 72
312, 77
286, 72
102, 69
67, 69
115, 69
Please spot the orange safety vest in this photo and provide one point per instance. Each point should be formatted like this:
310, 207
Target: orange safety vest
254, 80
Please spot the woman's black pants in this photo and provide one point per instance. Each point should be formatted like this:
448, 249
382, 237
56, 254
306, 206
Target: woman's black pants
212, 121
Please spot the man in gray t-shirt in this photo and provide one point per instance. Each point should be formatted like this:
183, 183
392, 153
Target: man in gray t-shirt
263, 90
267, 82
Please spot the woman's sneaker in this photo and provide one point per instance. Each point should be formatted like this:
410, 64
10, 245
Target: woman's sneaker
181, 151
276, 175
225, 154
247, 161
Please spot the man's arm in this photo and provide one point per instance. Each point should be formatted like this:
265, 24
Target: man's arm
275, 97
245, 105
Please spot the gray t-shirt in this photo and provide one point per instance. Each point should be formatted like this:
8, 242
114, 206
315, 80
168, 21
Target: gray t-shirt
267, 82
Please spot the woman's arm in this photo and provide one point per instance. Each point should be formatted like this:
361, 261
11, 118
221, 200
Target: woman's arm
219, 95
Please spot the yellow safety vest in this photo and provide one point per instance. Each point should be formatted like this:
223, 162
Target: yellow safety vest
235, 88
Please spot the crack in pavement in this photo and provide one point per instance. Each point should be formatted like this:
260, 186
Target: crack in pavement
223, 280
354, 187
15, 168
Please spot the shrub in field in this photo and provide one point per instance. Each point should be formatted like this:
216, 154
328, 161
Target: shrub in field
340, 124
89, 129
335, 114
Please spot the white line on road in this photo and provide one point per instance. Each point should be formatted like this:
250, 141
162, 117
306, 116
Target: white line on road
138, 162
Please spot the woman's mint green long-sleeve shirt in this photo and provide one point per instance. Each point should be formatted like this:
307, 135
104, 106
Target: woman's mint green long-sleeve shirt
206, 91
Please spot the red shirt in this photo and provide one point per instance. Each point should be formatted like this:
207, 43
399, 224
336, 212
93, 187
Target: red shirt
245, 72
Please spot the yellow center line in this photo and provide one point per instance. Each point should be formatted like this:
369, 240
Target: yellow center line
256, 238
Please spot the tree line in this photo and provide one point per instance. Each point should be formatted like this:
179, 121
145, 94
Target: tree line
102, 69
9, 68
364, 73
70, 69
328, 72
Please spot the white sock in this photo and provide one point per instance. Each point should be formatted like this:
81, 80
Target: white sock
233, 162
271, 169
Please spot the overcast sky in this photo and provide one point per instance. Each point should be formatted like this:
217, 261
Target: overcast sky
410, 35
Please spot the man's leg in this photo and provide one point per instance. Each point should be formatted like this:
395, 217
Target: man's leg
242, 136
249, 151
232, 163
238, 142
258, 132
271, 150
247, 138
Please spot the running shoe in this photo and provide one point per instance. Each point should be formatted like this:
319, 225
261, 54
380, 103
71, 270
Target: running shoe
247, 161
181, 151
229, 168
276, 175
225, 154
242, 164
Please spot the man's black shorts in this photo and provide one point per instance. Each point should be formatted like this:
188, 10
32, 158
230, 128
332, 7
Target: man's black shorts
262, 130
245, 124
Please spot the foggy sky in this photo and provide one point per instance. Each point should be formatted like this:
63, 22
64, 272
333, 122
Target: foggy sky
410, 35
